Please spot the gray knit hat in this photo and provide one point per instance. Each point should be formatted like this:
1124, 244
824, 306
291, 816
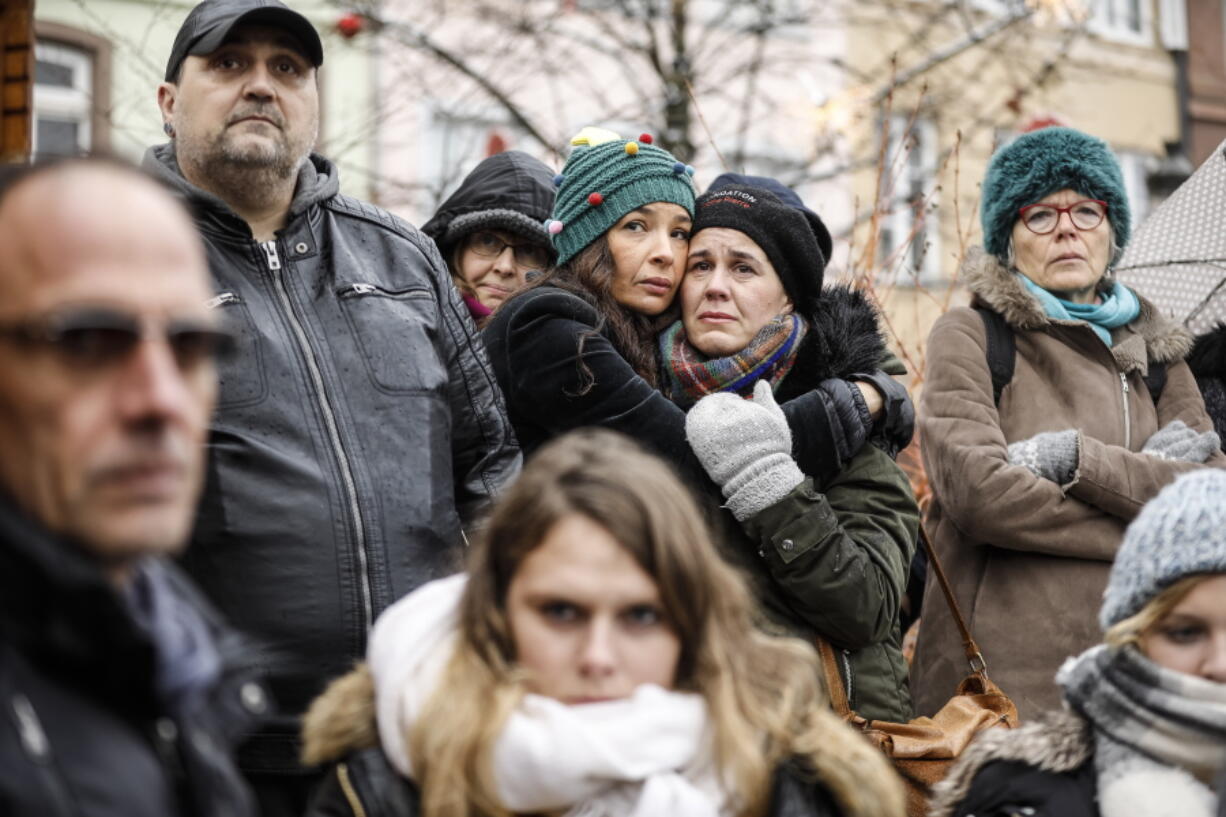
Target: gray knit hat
1180, 532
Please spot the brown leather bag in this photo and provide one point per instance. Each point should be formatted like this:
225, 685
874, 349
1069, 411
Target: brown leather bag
923, 749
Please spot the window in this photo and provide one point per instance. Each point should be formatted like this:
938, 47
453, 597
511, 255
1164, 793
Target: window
910, 231
456, 144
1122, 20
1135, 169
63, 99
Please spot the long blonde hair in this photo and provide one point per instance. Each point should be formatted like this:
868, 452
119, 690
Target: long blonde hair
762, 691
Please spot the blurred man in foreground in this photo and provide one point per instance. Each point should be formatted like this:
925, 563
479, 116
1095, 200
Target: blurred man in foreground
121, 692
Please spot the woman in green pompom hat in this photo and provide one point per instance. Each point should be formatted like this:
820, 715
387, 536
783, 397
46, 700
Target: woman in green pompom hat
578, 346
1052, 410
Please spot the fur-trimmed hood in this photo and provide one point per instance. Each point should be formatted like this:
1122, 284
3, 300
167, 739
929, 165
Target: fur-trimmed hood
844, 338
1057, 742
341, 720
994, 285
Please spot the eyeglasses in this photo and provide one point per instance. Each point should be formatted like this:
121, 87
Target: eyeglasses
532, 256
99, 337
1041, 219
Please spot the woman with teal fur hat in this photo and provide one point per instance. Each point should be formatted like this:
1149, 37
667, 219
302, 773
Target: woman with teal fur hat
1033, 486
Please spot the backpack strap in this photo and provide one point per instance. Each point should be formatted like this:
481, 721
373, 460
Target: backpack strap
1002, 349
1155, 380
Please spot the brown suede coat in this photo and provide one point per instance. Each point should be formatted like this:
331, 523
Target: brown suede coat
1028, 559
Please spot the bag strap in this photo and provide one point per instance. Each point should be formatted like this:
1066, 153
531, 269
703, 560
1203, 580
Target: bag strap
973, 655
1001, 352
830, 662
834, 681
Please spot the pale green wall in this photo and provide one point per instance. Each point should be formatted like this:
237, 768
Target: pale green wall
141, 32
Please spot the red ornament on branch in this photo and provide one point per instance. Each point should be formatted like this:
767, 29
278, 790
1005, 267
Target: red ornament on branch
350, 25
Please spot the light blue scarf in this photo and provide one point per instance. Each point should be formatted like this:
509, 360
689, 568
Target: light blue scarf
1118, 307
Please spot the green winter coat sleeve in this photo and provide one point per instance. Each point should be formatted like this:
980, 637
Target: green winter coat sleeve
840, 559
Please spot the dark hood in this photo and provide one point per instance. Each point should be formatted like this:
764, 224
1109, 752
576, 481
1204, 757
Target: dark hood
516, 190
318, 181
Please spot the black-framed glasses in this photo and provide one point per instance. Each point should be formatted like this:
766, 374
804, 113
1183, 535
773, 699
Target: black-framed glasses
95, 337
490, 245
1041, 219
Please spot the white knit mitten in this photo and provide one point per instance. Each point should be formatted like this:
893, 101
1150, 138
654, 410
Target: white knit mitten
746, 448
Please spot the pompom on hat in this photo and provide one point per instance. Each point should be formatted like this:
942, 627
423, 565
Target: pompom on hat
1043, 162
606, 177
1180, 532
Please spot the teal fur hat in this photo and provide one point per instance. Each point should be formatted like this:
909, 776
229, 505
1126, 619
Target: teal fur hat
1040, 163
605, 178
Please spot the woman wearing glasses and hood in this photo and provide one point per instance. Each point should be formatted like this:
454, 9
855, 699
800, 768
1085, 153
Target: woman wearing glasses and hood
491, 230
1034, 486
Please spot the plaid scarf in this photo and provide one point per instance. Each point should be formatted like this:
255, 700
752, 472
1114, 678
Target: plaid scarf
770, 354
1159, 735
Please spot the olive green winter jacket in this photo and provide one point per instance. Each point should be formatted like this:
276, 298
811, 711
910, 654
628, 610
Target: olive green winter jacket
836, 563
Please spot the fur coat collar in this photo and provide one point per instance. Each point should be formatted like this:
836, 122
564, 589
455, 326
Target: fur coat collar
1153, 337
844, 338
1057, 742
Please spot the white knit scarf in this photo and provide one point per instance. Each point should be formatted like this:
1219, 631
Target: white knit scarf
645, 755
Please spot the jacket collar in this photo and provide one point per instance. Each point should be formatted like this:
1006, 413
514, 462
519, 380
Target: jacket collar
318, 181
844, 337
58, 608
1151, 337
1057, 742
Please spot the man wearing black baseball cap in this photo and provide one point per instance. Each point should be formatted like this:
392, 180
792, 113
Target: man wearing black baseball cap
210, 23
358, 427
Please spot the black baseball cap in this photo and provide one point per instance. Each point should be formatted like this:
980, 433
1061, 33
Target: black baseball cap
210, 22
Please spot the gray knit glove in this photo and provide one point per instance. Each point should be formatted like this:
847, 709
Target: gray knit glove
746, 447
1052, 455
1176, 441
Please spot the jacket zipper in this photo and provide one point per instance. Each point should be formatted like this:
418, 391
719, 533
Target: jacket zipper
851, 703
359, 527
1127, 418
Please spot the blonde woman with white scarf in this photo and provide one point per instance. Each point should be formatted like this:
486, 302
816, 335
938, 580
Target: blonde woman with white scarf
1144, 732
597, 659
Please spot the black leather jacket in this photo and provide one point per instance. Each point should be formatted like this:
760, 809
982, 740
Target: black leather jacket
357, 426
82, 730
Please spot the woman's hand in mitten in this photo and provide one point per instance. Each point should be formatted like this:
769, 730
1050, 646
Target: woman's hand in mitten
746, 448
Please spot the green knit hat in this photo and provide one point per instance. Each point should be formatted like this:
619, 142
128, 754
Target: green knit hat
1040, 163
605, 178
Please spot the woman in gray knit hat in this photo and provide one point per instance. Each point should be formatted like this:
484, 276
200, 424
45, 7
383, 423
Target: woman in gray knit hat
1144, 730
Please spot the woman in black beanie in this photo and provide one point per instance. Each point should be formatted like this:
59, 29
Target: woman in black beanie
828, 547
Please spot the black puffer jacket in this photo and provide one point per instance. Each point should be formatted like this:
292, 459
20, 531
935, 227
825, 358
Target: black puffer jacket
356, 428
1208, 363
82, 732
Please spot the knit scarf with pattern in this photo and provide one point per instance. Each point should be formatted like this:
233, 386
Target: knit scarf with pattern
770, 354
1159, 735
